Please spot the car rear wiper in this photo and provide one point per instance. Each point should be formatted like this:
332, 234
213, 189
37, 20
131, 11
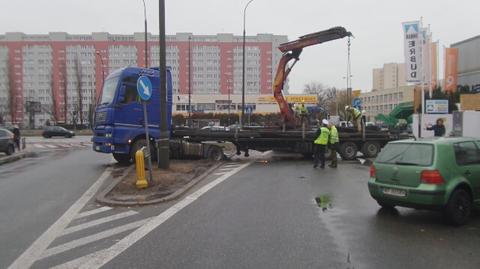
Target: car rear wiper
406, 163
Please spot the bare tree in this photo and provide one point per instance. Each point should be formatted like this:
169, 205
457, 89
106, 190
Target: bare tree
11, 92
53, 110
65, 95
79, 76
326, 96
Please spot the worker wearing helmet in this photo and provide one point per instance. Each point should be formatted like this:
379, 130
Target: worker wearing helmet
356, 116
333, 141
320, 144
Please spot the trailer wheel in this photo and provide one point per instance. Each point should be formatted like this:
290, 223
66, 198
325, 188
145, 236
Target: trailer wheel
215, 153
348, 150
370, 149
122, 159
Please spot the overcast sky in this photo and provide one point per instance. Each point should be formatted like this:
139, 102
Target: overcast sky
376, 25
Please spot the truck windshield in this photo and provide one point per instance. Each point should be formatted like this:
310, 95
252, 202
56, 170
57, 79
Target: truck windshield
108, 92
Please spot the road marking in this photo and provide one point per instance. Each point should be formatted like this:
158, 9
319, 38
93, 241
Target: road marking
38, 146
96, 222
103, 257
36, 249
92, 212
50, 146
219, 174
92, 238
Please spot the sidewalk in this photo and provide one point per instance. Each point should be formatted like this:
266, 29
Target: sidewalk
16, 156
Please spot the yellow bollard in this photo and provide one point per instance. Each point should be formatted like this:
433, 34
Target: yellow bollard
140, 168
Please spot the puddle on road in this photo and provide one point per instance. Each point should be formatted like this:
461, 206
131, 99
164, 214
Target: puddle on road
324, 202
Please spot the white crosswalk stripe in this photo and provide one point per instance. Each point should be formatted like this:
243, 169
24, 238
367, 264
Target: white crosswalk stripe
92, 238
98, 222
92, 212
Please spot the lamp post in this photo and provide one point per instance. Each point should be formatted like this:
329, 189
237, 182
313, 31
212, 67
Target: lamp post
243, 65
146, 45
103, 66
189, 81
163, 143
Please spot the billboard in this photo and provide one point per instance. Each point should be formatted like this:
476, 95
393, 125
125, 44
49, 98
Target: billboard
451, 59
434, 106
307, 99
413, 44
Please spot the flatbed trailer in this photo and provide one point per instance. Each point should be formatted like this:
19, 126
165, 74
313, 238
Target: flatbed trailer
296, 141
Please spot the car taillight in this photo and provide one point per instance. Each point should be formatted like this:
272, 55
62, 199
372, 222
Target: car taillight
431, 177
372, 171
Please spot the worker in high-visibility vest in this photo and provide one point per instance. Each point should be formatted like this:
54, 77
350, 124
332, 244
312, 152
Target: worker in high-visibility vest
320, 144
303, 113
333, 141
356, 117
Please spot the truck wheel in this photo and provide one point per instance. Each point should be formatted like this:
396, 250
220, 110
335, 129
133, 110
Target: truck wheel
136, 146
370, 149
215, 153
459, 207
308, 156
348, 150
123, 159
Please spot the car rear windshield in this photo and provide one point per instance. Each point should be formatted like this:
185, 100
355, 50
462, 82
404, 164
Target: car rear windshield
407, 154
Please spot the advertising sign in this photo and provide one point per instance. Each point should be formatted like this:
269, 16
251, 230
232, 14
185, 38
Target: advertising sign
436, 107
451, 57
413, 44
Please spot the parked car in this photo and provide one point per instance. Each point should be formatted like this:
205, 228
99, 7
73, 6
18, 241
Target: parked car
50, 131
440, 174
7, 144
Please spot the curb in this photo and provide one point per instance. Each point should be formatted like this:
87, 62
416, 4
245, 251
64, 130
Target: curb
16, 157
143, 199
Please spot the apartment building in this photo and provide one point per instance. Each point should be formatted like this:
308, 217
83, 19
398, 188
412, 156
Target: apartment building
383, 102
65, 72
390, 76
469, 62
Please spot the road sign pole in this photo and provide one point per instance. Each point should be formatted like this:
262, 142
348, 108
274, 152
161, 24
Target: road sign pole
149, 157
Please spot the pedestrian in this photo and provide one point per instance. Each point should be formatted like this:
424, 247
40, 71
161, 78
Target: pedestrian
321, 144
16, 136
334, 140
438, 129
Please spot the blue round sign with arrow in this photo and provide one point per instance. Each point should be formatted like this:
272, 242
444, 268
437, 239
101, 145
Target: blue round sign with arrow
144, 88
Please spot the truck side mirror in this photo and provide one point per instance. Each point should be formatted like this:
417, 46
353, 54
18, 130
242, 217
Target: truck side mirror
121, 94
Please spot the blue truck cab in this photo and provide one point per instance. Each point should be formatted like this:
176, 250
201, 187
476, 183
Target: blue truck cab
119, 122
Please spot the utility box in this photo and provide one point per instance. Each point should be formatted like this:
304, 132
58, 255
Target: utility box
465, 123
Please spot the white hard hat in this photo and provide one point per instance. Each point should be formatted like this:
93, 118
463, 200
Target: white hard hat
347, 107
324, 121
364, 111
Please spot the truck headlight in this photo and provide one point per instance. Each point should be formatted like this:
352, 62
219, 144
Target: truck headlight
108, 135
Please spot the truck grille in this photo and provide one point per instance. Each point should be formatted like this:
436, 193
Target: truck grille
100, 117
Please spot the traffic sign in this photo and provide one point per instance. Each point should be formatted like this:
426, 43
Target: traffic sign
248, 109
144, 88
356, 102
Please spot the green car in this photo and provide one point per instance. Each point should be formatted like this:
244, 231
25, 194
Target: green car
439, 174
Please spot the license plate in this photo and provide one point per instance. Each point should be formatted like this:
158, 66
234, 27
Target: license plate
97, 147
395, 192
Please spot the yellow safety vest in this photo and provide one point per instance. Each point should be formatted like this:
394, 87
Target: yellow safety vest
333, 135
303, 109
322, 139
356, 113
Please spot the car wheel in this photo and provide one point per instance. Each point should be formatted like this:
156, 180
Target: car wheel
459, 207
348, 150
68, 136
46, 136
123, 159
215, 153
385, 205
370, 149
10, 150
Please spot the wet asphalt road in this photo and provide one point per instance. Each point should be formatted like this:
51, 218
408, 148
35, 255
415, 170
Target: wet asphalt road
264, 216
35, 192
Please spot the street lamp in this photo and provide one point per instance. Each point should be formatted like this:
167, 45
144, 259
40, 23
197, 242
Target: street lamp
103, 66
163, 143
190, 80
243, 65
146, 46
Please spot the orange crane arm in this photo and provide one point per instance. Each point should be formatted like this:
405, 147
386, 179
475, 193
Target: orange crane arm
291, 51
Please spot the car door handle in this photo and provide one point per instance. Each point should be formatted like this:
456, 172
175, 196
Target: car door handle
468, 173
